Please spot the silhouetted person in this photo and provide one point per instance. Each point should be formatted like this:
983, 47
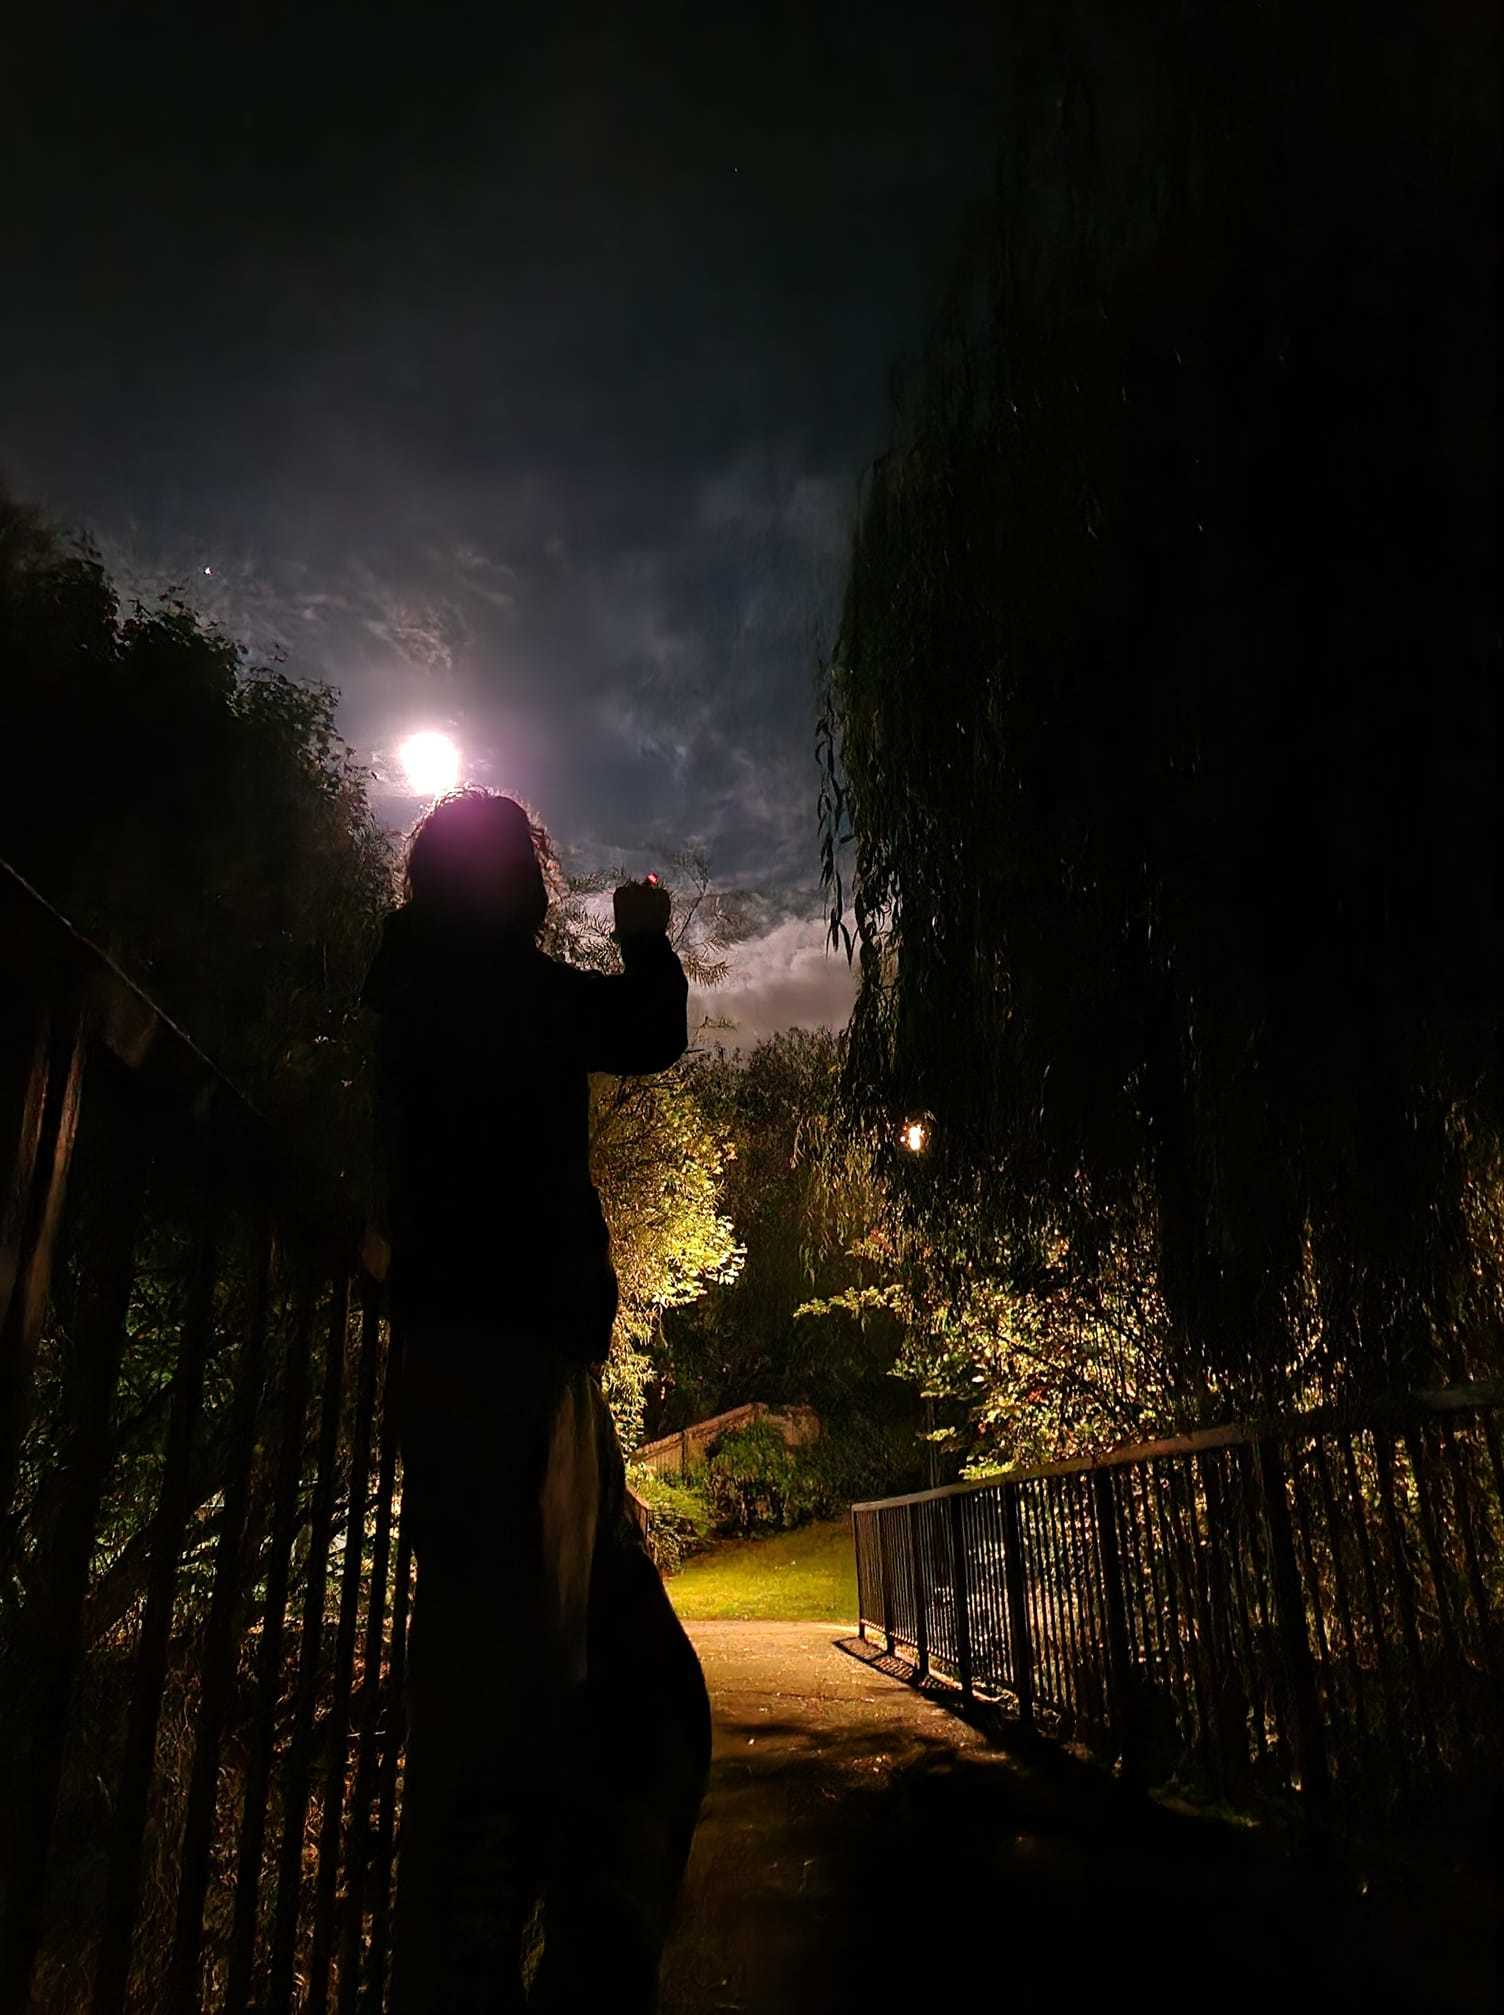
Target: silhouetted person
558, 1723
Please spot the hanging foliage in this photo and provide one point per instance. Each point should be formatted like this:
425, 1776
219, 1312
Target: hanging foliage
1164, 710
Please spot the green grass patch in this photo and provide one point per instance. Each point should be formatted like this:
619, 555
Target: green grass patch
808, 1576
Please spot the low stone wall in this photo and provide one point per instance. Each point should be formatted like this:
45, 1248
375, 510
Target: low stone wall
678, 1454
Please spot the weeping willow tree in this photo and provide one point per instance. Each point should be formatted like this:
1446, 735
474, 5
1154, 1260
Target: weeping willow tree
1164, 709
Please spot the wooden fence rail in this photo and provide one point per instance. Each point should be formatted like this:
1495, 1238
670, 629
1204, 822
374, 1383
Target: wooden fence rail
204, 1584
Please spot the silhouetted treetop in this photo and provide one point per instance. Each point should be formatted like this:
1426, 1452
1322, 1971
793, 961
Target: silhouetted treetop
200, 817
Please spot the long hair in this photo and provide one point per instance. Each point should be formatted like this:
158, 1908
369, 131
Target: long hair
455, 849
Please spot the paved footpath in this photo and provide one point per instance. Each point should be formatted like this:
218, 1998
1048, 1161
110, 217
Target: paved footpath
862, 1843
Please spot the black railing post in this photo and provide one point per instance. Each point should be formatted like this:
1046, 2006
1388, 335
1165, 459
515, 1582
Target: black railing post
336, 1735
1404, 1592
174, 1507
58, 1646
362, 1834
220, 1649
386, 1826
1120, 1671
920, 1582
41, 1067
856, 1549
241, 1960
1290, 1622
961, 1593
297, 1773
886, 1571
1018, 1606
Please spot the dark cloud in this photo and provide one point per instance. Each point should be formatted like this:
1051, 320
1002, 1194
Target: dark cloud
518, 379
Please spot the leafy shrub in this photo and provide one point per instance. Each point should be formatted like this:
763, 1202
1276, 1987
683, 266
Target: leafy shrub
754, 1480
747, 1478
681, 1518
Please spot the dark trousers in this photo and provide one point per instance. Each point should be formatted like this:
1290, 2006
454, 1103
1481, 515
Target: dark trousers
558, 1726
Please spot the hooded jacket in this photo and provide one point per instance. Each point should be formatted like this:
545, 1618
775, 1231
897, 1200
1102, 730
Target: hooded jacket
485, 1051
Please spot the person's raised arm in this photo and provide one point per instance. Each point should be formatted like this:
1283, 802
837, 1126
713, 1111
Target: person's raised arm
637, 1020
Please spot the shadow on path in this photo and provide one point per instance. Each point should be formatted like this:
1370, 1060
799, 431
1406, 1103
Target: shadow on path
860, 1842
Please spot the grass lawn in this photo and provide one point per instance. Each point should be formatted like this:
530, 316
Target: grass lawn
808, 1576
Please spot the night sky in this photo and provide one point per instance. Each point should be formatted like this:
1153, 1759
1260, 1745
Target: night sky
513, 369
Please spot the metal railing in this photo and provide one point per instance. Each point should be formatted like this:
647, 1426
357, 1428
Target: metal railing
205, 1588
1308, 1610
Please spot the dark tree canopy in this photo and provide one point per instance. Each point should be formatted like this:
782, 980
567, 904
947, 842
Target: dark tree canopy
201, 819
1165, 705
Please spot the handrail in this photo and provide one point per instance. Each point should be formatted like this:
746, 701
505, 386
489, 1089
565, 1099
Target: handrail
1444, 1399
199, 1496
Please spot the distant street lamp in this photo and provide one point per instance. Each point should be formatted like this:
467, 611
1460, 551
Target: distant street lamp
915, 1136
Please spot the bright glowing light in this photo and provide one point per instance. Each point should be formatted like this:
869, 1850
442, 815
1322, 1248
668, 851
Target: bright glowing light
914, 1136
432, 764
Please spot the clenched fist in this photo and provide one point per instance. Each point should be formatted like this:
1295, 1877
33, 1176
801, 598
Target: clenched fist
640, 907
